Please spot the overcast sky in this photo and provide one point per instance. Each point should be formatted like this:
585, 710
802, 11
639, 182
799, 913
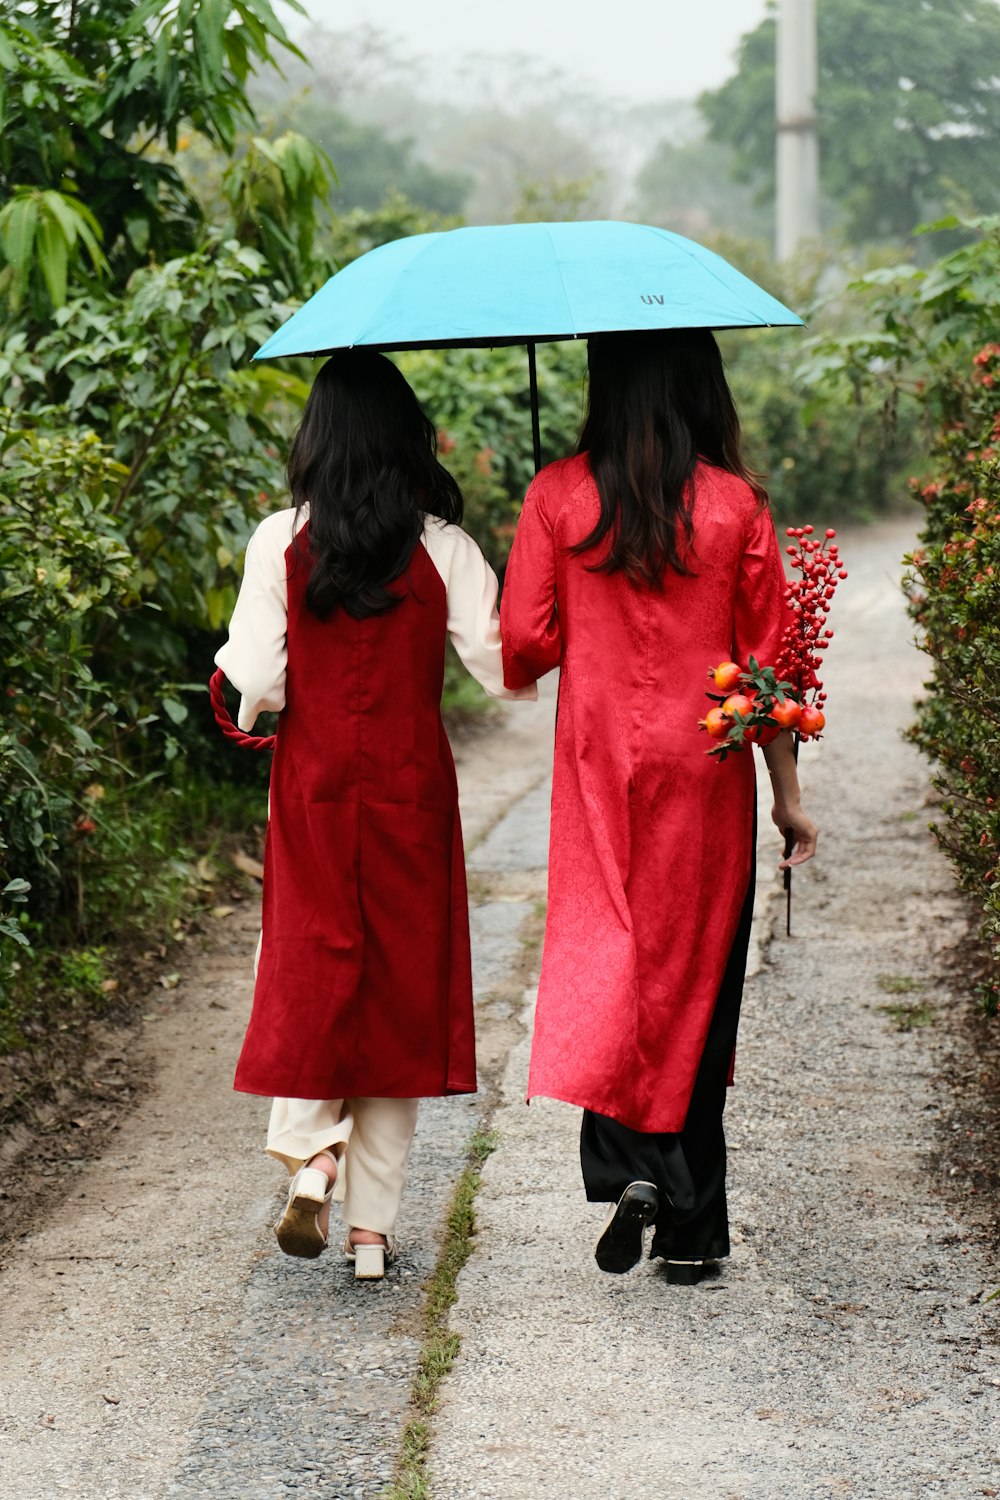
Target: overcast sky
633, 49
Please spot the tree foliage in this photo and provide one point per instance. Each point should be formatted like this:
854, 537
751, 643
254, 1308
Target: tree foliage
692, 188
908, 105
373, 164
138, 447
96, 97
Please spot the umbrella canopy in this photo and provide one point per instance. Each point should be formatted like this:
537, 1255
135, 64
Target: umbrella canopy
524, 283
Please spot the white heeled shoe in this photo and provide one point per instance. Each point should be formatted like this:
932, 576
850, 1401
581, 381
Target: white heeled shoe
298, 1228
370, 1261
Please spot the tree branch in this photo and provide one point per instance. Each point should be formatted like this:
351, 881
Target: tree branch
156, 431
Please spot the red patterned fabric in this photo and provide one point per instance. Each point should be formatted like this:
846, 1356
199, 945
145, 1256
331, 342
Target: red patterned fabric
364, 987
650, 840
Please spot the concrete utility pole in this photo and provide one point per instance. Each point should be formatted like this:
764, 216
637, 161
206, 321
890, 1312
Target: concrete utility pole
797, 141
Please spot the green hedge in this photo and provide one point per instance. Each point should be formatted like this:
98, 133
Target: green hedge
954, 587
930, 342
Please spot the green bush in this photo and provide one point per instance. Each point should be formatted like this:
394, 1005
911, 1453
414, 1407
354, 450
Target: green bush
120, 541
138, 449
931, 340
954, 588
823, 461
65, 572
832, 445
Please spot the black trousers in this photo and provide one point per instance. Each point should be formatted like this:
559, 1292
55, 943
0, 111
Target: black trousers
687, 1166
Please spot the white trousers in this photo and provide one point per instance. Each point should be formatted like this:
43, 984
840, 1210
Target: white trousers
370, 1139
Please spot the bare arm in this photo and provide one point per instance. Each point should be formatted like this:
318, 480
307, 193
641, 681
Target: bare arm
787, 810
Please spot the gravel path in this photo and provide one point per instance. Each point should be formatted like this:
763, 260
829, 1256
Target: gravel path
846, 1350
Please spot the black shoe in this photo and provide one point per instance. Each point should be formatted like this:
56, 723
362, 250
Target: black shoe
690, 1272
619, 1247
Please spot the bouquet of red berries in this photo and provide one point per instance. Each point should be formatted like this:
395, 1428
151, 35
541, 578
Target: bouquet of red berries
753, 704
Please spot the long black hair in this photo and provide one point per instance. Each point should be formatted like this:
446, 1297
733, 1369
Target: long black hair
658, 402
365, 462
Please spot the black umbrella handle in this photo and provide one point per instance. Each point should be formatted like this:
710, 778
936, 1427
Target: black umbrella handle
786, 880
786, 875
536, 433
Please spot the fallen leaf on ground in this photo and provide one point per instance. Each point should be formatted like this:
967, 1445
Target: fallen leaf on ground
170, 981
223, 911
246, 865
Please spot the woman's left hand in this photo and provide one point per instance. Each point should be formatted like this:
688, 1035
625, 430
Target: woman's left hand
791, 818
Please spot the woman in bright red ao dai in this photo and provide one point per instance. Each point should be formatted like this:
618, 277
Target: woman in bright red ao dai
637, 563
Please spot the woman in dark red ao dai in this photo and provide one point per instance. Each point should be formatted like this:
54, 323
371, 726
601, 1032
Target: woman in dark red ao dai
644, 558
363, 995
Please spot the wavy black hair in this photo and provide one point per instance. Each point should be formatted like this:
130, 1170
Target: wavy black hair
364, 460
658, 403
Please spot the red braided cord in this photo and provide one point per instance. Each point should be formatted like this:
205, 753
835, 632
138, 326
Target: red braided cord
229, 729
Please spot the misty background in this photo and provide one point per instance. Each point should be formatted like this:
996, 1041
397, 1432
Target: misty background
662, 113
511, 111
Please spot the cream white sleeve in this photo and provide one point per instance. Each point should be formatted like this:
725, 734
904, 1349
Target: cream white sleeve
473, 621
255, 656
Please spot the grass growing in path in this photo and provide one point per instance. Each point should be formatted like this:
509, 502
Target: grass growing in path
906, 1016
440, 1345
898, 984
909, 1017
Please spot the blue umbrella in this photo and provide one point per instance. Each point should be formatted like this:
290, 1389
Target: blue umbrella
524, 284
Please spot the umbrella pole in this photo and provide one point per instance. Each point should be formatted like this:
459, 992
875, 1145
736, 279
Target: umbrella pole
536, 436
787, 874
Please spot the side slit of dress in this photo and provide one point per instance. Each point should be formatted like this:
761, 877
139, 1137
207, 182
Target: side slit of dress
687, 1166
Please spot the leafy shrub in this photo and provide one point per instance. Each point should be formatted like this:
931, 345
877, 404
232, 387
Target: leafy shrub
954, 586
833, 444
824, 460
65, 572
138, 449
931, 337
120, 540
130, 874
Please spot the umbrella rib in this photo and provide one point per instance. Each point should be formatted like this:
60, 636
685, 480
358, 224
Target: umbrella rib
373, 316
710, 269
562, 281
